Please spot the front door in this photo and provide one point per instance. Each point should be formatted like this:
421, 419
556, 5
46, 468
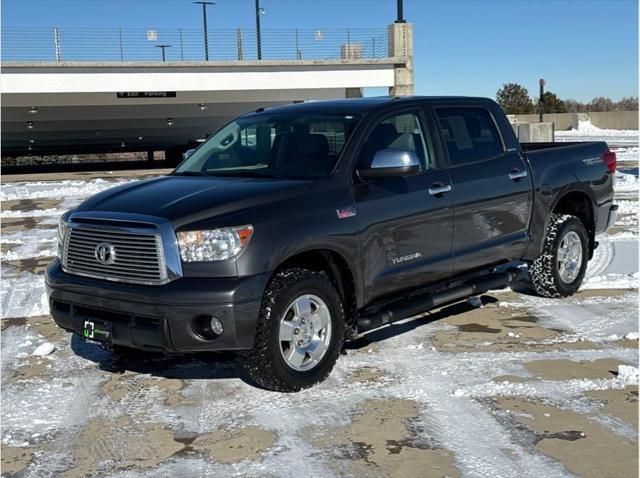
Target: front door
406, 233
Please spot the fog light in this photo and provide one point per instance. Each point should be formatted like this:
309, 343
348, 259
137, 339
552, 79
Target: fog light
207, 327
216, 326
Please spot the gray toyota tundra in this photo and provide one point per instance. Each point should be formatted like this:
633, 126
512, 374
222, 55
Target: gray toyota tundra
295, 228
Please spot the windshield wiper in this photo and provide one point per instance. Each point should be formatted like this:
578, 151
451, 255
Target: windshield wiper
241, 174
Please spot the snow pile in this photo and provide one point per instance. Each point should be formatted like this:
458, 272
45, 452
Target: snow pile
585, 128
628, 374
625, 182
44, 349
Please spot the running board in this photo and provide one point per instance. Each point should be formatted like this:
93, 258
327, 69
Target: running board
425, 302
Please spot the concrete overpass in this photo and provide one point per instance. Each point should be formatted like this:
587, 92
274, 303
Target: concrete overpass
73, 107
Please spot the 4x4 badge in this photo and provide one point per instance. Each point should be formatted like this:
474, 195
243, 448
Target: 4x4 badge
346, 212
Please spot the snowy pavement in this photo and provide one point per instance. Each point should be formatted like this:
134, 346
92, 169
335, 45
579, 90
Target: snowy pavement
521, 386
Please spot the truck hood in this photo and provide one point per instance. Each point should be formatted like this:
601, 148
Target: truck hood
187, 199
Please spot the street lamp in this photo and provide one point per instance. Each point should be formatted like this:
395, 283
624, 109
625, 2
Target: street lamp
400, 9
541, 101
204, 20
259, 11
163, 48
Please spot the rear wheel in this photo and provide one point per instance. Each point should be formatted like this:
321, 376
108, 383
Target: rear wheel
300, 331
559, 270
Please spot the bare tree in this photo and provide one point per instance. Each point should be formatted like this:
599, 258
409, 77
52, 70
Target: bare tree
627, 104
601, 104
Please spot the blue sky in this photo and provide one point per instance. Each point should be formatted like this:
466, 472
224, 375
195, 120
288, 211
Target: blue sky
583, 48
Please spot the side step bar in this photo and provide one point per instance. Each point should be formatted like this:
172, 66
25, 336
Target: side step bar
423, 303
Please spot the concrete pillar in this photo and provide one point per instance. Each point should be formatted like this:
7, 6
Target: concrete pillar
535, 132
400, 37
353, 93
576, 118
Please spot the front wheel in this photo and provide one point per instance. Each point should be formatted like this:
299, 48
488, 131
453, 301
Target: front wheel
559, 270
300, 331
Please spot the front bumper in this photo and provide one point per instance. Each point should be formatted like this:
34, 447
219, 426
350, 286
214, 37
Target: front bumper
159, 317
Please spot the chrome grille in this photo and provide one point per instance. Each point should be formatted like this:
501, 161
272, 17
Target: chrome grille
138, 256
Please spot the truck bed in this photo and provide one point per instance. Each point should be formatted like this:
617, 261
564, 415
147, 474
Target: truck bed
527, 147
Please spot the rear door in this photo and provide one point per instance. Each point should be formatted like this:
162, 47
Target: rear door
405, 233
491, 190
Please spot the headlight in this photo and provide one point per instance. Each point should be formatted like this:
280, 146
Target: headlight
214, 245
62, 232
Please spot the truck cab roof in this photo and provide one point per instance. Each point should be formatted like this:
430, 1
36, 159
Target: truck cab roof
361, 105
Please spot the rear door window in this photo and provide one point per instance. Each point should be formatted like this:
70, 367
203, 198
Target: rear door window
469, 134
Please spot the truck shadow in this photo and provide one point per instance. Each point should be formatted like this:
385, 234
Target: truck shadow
195, 366
403, 327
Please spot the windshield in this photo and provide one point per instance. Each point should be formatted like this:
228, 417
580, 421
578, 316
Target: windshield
273, 145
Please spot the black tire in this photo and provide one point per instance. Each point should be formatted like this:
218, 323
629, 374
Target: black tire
544, 271
264, 363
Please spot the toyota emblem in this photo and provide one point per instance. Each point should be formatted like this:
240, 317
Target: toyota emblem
105, 253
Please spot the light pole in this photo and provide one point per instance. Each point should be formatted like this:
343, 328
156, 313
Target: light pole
163, 48
259, 11
204, 20
400, 18
541, 101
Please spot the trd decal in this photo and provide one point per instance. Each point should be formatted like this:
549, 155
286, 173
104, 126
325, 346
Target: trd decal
592, 161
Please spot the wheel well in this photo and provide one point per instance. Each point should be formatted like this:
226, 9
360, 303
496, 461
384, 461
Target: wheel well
578, 204
336, 267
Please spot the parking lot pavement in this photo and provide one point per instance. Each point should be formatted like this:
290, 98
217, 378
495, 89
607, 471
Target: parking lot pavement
521, 386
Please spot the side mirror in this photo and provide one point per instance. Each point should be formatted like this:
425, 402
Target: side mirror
188, 153
390, 163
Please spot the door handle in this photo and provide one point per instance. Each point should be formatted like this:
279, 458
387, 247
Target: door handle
439, 189
515, 175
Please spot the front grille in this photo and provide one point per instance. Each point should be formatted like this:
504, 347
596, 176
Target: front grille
138, 257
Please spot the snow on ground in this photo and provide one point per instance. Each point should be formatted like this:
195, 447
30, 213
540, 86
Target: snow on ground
626, 182
448, 365
54, 190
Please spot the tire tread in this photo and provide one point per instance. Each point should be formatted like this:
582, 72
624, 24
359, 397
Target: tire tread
542, 269
259, 361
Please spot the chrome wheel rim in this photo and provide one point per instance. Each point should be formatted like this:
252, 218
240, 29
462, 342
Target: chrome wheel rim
569, 257
305, 332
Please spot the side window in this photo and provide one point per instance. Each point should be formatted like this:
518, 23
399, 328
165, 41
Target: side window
402, 131
333, 131
248, 138
470, 134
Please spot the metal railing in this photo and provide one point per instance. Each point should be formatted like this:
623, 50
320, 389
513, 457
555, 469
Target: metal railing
179, 44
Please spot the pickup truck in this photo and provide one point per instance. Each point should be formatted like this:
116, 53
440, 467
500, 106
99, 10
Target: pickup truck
295, 228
